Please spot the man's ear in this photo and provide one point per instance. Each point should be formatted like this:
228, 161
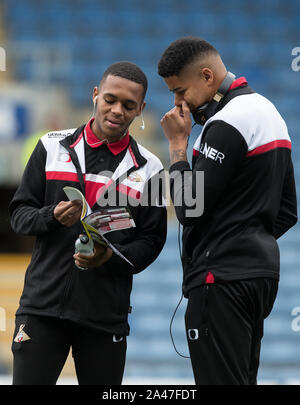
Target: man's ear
208, 75
95, 93
142, 107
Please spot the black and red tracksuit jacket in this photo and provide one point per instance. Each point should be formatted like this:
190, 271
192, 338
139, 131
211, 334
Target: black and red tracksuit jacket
249, 192
53, 286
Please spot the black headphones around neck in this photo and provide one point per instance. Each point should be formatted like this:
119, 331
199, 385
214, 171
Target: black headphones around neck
207, 110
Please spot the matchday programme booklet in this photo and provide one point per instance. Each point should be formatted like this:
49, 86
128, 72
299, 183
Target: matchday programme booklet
97, 224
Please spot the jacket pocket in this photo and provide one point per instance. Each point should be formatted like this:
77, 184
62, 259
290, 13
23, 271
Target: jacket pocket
197, 313
221, 246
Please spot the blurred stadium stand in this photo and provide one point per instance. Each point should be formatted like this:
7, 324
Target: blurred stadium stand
56, 52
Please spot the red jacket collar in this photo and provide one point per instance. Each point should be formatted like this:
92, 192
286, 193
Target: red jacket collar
241, 81
94, 142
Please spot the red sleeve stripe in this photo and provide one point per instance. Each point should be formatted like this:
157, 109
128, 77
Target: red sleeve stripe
281, 143
195, 152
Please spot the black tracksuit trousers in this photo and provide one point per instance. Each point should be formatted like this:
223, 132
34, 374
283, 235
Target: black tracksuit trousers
41, 347
224, 326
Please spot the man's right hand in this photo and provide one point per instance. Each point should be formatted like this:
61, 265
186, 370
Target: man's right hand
68, 212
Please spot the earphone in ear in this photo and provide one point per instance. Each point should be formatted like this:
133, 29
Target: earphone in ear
142, 127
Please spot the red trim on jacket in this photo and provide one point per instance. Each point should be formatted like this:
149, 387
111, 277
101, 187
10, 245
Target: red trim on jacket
241, 81
77, 141
131, 192
209, 279
279, 143
133, 157
93, 189
66, 176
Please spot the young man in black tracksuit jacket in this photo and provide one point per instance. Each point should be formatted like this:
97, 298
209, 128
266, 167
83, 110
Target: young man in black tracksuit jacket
62, 306
230, 255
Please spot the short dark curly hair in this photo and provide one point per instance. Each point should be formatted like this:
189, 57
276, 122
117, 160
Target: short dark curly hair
127, 70
181, 53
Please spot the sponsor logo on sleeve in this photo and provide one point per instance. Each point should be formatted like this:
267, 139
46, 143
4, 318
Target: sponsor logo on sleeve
211, 153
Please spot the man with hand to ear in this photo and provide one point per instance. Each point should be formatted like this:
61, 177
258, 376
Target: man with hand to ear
230, 256
86, 309
177, 125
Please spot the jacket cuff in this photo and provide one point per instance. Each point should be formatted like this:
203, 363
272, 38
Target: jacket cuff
180, 166
48, 215
117, 264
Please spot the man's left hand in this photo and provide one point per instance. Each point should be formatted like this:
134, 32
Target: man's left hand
101, 255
